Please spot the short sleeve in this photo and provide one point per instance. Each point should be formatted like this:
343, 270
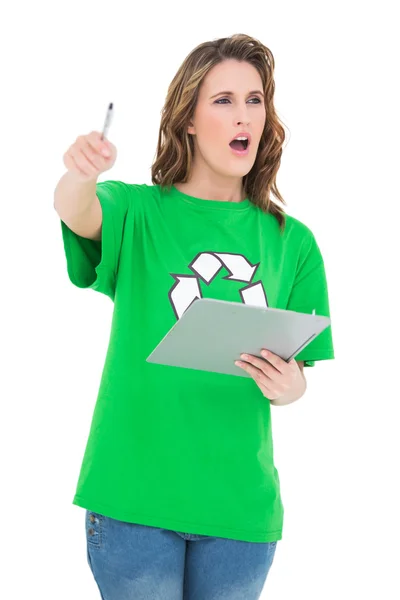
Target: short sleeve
309, 293
94, 263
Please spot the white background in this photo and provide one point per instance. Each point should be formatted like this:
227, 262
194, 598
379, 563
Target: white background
337, 448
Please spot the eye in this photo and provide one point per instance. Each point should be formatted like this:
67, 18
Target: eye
218, 101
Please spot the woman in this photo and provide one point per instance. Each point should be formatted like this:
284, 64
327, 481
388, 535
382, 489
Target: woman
178, 480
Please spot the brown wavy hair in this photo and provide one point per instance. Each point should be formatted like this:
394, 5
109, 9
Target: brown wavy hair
175, 149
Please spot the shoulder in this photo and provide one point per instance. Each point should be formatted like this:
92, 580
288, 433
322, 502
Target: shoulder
297, 228
125, 193
143, 191
294, 231
301, 236
304, 243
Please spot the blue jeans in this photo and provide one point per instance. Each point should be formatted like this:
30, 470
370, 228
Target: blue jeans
139, 562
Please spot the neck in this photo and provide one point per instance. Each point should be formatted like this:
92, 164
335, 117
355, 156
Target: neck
213, 188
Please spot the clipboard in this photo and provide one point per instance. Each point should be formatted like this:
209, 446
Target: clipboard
211, 335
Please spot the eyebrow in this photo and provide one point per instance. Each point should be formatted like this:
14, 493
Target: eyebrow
232, 93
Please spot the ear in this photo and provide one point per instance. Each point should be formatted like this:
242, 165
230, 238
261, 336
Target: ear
191, 129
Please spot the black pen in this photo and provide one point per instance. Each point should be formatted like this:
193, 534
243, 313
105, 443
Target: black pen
107, 121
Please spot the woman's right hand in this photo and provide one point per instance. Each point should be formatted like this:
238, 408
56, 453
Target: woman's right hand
84, 157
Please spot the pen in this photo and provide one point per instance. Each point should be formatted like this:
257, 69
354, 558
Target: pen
107, 121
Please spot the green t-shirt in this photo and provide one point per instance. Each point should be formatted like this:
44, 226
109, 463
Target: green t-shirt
181, 449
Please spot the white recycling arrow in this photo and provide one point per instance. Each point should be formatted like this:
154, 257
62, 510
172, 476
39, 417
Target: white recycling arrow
184, 292
254, 295
206, 266
239, 266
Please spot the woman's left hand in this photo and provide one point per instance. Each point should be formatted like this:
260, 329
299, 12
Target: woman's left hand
276, 377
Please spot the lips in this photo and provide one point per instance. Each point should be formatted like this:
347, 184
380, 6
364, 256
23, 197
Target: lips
241, 143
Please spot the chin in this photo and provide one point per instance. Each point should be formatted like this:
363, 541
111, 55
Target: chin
242, 166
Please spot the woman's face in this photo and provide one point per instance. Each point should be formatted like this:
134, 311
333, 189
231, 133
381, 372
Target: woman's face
218, 117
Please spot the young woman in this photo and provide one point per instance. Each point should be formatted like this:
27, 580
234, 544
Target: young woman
178, 480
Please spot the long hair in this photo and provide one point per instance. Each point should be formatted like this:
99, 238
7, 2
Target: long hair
175, 149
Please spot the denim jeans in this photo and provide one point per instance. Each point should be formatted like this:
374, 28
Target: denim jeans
140, 562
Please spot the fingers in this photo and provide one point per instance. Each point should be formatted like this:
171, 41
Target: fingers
260, 363
256, 373
90, 155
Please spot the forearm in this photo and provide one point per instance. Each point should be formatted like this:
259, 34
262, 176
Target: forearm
73, 198
292, 395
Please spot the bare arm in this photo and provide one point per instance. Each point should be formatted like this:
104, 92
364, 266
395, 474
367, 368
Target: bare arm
78, 206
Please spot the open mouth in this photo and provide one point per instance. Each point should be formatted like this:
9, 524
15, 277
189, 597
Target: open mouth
239, 144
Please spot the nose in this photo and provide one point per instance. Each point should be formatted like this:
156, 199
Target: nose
244, 121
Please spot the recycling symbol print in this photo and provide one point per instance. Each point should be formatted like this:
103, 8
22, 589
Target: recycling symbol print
206, 266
